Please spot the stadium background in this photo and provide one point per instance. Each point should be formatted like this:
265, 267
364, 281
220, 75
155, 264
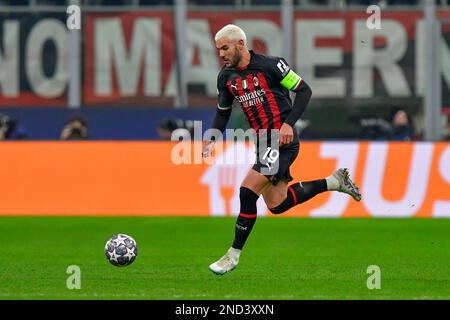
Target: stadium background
121, 73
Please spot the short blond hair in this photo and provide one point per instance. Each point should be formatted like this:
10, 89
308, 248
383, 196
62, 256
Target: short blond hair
232, 32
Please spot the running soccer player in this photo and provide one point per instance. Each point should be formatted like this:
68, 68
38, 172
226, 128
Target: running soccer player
261, 84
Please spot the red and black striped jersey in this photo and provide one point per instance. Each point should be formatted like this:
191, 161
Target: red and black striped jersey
262, 89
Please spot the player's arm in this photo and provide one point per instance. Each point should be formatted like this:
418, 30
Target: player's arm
224, 104
220, 123
223, 113
293, 82
222, 116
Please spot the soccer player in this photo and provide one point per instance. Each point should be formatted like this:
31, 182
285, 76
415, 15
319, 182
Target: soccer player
261, 84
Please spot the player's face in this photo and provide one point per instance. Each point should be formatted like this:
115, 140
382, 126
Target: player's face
229, 51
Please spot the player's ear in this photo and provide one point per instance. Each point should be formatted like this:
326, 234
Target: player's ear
241, 44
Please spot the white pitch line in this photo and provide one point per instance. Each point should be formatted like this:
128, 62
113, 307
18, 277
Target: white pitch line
245, 297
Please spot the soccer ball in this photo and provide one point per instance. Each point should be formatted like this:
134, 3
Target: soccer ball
121, 250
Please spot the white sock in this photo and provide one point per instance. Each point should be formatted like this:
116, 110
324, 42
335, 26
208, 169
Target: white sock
332, 183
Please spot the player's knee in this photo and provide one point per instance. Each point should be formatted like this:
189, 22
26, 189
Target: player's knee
247, 195
284, 206
248, 201
277, 210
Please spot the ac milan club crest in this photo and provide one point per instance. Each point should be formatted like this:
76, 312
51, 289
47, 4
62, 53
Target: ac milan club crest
255, 81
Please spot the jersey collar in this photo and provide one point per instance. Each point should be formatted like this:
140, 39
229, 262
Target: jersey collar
251, 58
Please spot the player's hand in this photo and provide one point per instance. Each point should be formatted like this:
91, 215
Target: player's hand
207, 148
286, 134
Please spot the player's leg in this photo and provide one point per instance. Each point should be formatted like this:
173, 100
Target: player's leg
278, 196
249, 192
303, 191
282, 197
275, 194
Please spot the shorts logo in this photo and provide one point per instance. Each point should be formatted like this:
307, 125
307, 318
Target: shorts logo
255, 81
244, 84
271, 156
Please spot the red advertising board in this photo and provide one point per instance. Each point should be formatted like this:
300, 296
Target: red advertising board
128, 58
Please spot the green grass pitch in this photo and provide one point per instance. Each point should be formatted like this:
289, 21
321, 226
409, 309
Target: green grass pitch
285, 258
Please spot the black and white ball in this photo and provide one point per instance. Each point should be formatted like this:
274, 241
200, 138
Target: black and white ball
121, 250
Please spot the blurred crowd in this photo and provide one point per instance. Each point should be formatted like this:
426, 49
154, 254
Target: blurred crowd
10, 129
216, 2
75, 128
398, 127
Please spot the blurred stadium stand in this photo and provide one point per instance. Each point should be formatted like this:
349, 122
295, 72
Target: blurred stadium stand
104, 123
137, 117
214, 2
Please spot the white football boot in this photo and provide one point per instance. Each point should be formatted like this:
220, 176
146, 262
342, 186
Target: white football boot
227, 263
343, 183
